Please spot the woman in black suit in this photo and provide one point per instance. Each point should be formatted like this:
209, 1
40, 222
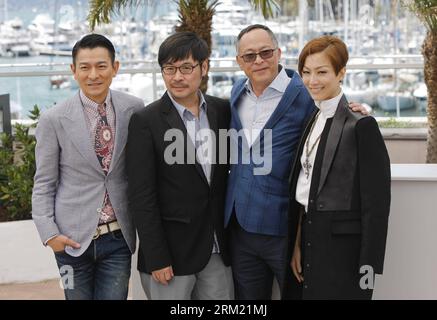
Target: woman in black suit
340, 186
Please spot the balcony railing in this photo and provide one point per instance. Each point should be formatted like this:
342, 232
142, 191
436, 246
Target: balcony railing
390, 84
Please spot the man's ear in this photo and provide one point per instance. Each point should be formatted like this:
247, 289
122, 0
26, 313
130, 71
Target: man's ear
115, 66
73, 70
239, 62
279, 53
205, 67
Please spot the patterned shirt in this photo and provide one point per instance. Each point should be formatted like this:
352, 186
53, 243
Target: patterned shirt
92, 116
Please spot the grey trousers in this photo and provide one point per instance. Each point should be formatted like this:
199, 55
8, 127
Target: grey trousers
214, 282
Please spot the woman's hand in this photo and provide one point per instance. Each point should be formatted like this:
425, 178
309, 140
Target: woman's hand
296, 265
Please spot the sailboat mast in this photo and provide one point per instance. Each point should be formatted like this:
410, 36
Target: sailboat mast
5, 9
346, 19
303, 18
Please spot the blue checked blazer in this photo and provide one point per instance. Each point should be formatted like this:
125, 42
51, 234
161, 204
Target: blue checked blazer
261, 201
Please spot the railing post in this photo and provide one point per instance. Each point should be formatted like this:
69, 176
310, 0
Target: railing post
154, 84
5, 114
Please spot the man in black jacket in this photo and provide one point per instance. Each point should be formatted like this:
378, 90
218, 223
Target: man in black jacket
176, 184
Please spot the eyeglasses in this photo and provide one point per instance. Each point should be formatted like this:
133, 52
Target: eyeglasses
264, 54
184, 69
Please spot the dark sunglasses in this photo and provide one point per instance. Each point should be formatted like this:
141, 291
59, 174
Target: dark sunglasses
264, 54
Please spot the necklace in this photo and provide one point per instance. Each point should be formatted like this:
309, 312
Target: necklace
308, 150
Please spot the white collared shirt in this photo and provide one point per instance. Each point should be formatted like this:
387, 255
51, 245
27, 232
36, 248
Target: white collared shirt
193, 125
327, 110
254, 112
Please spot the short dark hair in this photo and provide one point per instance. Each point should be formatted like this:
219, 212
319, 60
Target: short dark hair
182, 45
254, 27
334, 48
92, 41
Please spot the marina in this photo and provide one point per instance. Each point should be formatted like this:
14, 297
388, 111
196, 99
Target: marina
383, 39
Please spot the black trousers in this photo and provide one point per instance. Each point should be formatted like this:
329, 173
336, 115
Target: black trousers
255, 260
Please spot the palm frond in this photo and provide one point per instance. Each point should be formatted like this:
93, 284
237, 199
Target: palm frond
268, 8
426, 10
101, 10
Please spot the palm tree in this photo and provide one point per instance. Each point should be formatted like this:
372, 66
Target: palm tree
194, 15
426, 10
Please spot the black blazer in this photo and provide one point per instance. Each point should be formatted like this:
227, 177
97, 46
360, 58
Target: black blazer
346, 223
175, 210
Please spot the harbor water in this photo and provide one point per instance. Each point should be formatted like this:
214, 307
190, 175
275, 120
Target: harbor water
30, 30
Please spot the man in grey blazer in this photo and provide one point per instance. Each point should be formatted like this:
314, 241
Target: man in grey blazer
79, 201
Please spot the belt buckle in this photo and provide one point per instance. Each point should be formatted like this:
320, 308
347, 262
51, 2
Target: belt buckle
97, 234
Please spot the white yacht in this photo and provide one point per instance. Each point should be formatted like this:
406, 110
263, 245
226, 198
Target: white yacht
14, 42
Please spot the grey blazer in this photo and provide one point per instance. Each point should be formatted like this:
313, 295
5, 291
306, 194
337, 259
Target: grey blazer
69, 183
